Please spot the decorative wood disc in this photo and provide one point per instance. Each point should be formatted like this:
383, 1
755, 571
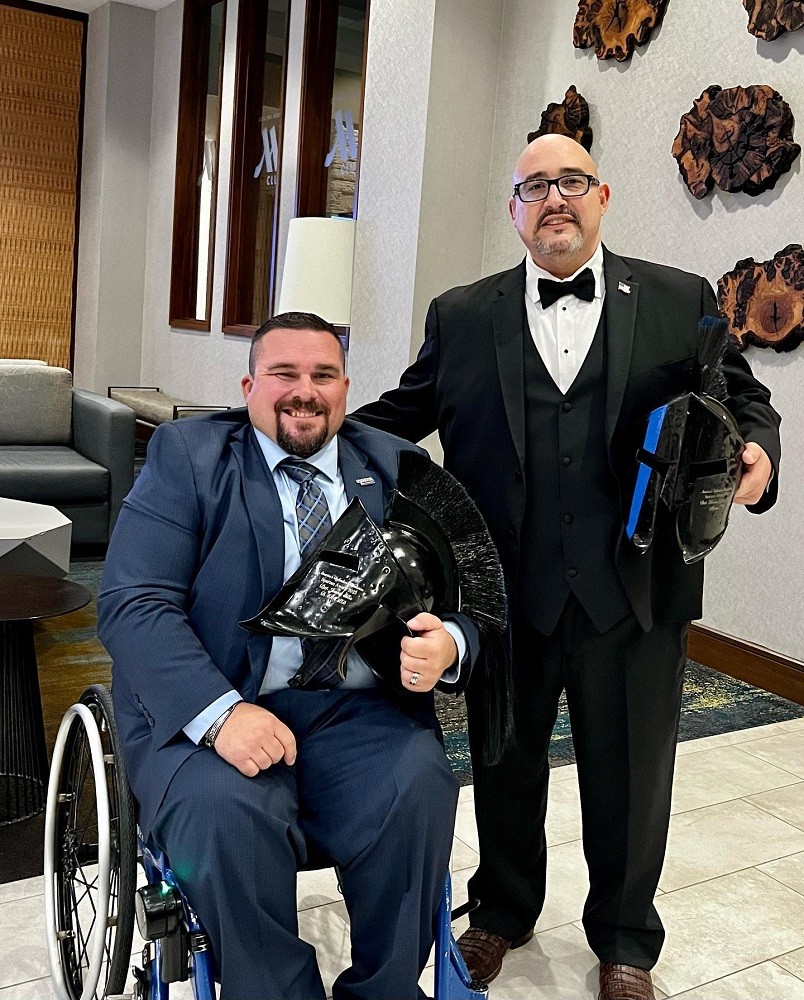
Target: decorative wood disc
767, 19
739, 139
571, 118
764, 303
614, 27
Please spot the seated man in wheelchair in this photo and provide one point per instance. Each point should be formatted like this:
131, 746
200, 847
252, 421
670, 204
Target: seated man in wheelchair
252, 752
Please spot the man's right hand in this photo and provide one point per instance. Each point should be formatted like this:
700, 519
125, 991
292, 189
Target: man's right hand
252, 739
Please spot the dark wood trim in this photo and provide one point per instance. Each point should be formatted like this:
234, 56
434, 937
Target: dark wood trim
748, 662
315, 119
42, 8
252, 24
190, 324
189, 164
240, 330
315, 124
362, 107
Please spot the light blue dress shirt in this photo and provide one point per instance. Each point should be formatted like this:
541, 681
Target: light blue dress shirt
286, 653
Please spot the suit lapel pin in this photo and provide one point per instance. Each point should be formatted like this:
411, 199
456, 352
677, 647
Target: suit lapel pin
365, 481
623, 287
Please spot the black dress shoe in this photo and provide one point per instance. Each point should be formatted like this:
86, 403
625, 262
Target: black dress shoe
484, 952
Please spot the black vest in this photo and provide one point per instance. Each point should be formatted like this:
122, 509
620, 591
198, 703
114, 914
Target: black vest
572, 514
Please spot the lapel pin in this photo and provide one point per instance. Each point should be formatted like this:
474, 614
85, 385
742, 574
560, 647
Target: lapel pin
622, 287
366, 481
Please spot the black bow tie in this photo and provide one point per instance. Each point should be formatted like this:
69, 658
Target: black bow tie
582, 286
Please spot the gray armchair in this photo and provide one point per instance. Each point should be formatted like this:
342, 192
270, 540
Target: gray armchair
65, 447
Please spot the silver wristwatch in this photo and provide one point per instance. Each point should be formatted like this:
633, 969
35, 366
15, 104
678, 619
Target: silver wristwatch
209, 737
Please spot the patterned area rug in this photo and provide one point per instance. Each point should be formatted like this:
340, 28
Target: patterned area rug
712, 703
70, 657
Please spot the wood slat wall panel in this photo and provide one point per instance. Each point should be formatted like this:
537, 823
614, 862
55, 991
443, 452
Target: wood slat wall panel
41, 61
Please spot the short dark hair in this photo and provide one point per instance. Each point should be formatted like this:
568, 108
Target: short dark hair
292, 321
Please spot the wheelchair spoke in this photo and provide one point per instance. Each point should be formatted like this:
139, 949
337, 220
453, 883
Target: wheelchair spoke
78, 956
84, 907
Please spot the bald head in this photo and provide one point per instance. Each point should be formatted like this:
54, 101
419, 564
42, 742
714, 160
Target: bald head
554, 145
563, 231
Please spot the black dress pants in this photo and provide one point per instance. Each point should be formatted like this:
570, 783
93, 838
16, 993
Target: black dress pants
624, 699
372, 790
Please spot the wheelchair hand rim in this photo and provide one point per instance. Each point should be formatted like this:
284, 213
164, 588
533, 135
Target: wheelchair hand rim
84, 717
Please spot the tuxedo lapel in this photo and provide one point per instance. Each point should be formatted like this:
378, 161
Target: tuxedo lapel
622, 297
508, 323
361, 481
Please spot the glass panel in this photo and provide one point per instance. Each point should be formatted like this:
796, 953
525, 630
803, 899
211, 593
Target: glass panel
197, 163
209, 164
347, 94
268, 125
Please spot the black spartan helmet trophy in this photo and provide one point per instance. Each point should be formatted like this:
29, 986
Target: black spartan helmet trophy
690, 457
363, 583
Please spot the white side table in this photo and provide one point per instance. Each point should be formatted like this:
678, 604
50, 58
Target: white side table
34, 539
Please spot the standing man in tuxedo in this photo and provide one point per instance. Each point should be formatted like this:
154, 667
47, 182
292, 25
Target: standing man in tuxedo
539, 379
238, 771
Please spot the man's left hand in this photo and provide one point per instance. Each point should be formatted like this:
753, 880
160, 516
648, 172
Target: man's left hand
427, 655
757, 471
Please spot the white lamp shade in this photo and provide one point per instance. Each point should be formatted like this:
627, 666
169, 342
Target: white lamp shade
317, 276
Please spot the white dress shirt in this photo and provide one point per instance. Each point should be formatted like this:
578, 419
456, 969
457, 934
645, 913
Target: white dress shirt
286, 653
564, 331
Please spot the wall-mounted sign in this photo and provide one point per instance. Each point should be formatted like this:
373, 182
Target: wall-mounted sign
269, 161
344, 145
764, 303
740, 139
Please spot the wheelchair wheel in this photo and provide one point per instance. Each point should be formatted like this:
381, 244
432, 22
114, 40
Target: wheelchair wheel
90, 855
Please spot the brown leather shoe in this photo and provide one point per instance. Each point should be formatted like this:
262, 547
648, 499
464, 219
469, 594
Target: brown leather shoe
624, 982
483, 952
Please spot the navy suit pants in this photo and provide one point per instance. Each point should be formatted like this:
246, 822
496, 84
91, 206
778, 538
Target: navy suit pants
372, 791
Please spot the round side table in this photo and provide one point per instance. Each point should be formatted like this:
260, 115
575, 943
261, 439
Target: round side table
23, 751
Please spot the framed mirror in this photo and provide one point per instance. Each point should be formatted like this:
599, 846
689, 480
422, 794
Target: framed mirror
197, 163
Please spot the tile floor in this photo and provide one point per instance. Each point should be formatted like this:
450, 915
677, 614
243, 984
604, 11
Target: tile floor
731, 894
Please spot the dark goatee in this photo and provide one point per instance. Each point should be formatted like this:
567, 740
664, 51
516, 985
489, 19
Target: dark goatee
300, 447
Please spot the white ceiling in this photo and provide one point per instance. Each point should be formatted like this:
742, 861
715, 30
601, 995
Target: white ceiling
88, 5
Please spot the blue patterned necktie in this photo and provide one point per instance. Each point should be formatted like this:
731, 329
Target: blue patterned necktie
319, 656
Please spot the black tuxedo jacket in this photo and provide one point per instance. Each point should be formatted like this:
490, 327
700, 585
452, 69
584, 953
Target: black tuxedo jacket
199, 547
468, 381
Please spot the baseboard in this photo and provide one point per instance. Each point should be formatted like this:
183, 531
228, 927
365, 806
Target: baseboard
747, 662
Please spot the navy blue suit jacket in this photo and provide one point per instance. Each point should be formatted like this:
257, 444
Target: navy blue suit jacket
197, 548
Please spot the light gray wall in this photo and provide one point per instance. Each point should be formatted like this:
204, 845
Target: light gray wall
114, 196
457, 155
428, 120
91, 214
754, 577
400, 41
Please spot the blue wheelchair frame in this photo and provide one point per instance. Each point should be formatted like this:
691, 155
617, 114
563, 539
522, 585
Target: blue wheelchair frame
452, 979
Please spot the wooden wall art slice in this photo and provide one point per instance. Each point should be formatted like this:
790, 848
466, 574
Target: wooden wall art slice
614, 27
571, 118
740, 139
764, 303
767, 19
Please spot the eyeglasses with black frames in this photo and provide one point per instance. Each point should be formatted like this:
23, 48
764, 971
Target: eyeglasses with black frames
569, 186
